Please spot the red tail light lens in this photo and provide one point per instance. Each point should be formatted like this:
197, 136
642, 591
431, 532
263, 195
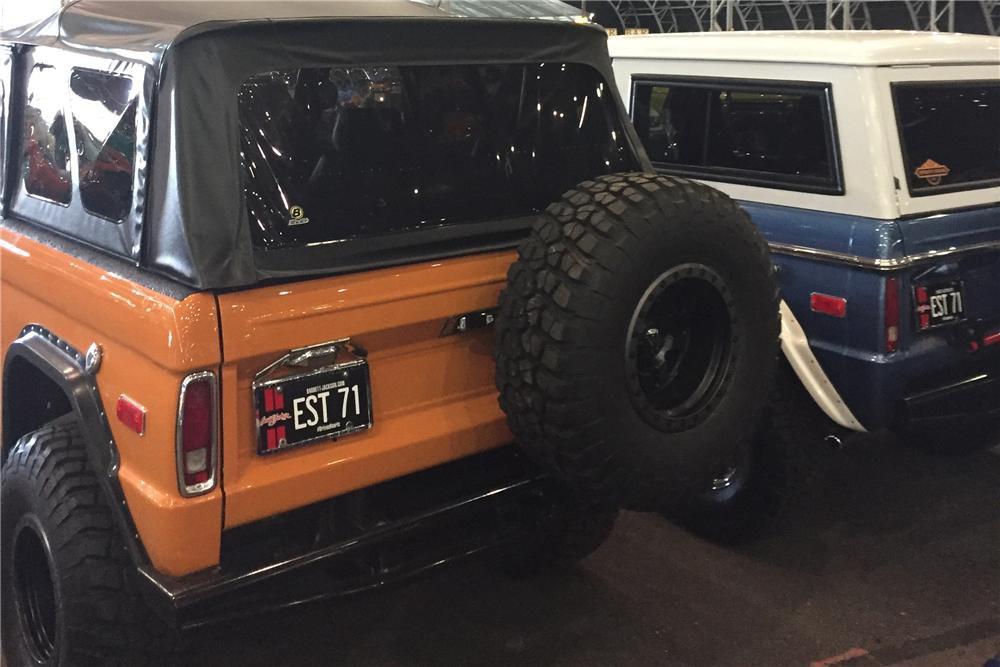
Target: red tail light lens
197, 429
891, 314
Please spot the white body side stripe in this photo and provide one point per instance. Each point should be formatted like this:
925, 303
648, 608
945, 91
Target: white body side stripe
796, 348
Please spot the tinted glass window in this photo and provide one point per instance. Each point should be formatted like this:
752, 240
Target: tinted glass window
739, 133
950, 135
5, 65
46, 146
347, 152
103, 107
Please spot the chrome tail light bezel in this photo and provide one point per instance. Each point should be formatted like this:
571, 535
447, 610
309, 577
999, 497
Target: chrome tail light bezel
191, 490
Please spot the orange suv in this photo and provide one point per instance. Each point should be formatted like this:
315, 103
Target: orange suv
260, 293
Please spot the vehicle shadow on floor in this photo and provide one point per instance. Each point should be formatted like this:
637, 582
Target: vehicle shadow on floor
893, 545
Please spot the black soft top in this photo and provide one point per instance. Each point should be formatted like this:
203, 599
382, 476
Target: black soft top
143, 30
188, 219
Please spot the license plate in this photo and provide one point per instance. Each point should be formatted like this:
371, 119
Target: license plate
939, 304
322, 404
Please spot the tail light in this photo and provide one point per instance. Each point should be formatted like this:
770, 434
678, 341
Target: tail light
891, 314
197, 434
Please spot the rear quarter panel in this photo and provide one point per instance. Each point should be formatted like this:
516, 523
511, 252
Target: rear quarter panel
149, 342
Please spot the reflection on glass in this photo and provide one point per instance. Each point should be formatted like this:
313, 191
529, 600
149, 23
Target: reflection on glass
46, 145
950, 134
337, 153
769, 132
104, 124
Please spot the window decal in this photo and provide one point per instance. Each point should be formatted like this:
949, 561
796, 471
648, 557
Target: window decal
932, 172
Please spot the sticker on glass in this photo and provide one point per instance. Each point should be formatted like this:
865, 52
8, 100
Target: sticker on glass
932, 172
297, 216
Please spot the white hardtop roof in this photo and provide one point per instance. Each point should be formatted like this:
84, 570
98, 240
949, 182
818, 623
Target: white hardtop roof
834, 47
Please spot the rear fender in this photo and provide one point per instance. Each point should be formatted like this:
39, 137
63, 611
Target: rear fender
66, 368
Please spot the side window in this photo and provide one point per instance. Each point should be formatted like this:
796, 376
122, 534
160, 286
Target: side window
103, 107
5, 66
671, 121
741, 133
46, 145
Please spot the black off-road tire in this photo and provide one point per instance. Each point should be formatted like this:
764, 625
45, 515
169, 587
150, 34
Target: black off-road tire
567, 322
54, 515
559, 543
778, 474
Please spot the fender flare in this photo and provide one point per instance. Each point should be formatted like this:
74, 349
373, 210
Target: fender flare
64, 365
795, 347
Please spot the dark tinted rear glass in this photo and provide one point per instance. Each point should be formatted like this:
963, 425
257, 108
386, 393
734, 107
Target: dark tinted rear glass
950, 133
331, 154
742, 133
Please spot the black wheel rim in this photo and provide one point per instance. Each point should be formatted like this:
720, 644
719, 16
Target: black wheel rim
34, 593
679, 348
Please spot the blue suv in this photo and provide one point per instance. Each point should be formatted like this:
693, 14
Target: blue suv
871, 163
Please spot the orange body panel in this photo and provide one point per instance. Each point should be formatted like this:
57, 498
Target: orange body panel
150, 342
433, 397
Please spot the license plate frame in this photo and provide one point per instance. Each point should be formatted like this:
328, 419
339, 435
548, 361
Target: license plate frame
938, 304
278, 417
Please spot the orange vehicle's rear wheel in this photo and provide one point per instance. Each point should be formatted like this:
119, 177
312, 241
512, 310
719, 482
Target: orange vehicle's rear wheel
68, 594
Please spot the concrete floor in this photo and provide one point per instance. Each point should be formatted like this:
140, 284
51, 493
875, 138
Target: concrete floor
897, 561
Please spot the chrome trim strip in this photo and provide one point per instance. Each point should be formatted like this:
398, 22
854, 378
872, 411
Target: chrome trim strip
878, 264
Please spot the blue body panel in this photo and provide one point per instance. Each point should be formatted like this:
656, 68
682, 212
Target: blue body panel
852, 350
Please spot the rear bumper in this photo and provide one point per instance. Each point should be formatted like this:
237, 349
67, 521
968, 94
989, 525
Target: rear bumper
941, 376
969, 393
516, 502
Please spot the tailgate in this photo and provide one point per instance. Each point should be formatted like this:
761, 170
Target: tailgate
961, 246
432, 395
944, 140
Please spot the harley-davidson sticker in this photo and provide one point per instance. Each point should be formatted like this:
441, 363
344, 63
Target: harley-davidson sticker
932, 172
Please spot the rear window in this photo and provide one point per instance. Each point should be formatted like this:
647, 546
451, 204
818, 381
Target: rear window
338, 153
950, 135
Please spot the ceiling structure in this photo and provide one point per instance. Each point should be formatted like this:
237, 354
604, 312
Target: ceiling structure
976, 16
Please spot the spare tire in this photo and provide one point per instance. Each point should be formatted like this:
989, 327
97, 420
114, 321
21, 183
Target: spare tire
637, 337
